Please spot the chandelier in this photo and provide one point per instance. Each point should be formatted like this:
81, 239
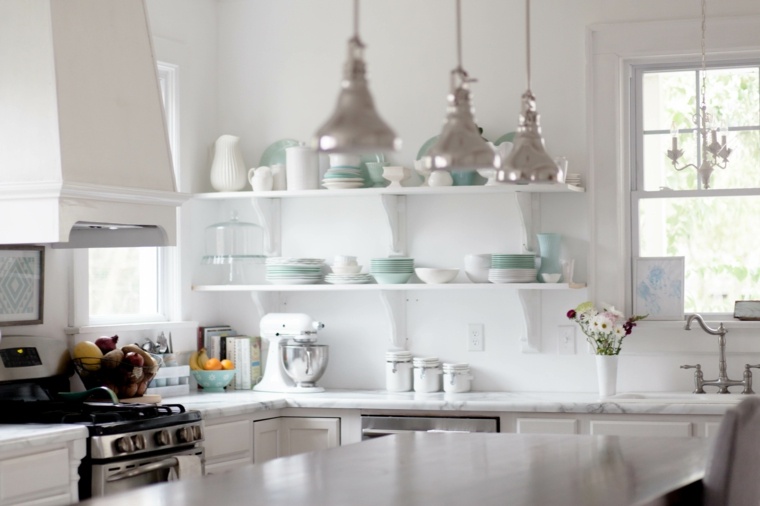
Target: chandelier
714, 153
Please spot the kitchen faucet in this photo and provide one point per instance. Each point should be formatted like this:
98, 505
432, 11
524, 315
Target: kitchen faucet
722, 382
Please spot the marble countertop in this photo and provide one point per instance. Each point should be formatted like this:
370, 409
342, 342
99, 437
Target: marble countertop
18, 437
450, 469
231, 403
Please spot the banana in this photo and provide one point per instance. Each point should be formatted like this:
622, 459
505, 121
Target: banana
193, 361
202, 358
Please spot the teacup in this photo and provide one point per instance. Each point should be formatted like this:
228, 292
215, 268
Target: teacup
463, 177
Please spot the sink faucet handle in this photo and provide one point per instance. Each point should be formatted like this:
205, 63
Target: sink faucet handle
698, 377
748, 378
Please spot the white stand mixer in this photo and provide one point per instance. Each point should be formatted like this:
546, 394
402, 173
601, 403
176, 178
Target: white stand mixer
277, 328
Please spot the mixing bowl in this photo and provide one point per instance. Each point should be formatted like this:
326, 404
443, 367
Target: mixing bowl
303, 363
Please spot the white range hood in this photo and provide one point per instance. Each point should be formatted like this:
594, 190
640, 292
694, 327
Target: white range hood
84, 152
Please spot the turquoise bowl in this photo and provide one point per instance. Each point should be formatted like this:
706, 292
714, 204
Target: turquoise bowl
213, 381
387, 278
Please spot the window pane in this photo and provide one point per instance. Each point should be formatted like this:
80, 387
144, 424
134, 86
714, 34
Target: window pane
716, 236
123, 281
658, 169
669, 97
732, 96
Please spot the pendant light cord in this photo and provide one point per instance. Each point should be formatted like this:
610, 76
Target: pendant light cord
459, 35
704, 65
527, 39
356, 19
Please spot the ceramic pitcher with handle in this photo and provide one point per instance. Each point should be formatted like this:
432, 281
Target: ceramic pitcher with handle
228, 172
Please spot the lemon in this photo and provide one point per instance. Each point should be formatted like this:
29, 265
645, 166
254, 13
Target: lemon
89, 353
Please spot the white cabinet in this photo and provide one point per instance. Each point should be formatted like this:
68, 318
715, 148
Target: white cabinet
44, 476
546, 426
227, 445
280, 437
643, 428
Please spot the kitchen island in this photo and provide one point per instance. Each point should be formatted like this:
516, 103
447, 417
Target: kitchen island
456, 469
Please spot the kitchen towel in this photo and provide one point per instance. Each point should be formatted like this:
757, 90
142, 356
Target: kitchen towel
188, 466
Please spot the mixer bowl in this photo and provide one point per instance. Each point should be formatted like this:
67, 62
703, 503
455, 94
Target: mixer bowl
303, 363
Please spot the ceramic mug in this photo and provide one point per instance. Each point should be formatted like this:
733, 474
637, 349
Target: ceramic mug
279, 180
302, 167
463, 177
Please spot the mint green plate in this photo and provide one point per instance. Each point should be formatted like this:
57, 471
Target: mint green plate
426, 147
275, 152
508, 137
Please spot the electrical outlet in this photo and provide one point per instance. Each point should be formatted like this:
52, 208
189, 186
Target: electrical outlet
566, 340
475, 337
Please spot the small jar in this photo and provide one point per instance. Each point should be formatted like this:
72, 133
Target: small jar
398, 371
456, 378
427, 374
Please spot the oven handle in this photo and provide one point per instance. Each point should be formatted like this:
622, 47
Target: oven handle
147, 468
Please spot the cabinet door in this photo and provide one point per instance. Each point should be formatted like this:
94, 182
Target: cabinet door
300, 435
626, 428
227, 445
40, 478
546, 426
266, 440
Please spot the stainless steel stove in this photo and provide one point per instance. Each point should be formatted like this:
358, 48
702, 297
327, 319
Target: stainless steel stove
129, 445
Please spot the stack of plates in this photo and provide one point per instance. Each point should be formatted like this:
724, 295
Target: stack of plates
392, 270
343, 177
573, 179
348, 279
294, 271
512, 269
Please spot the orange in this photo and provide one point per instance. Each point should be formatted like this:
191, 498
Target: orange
213, 364
227, 364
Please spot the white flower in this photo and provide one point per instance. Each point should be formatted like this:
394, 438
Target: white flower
619, 332
602, 324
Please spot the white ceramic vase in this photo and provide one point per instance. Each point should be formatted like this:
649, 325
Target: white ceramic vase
606, 371
228, 172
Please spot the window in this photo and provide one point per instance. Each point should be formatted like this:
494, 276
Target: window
129, 285
672, 215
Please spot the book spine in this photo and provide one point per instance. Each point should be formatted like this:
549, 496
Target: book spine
244, 357
232, 355
213, 347
255, 360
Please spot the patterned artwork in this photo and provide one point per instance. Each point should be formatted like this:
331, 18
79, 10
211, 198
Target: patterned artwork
658, 287
21, 273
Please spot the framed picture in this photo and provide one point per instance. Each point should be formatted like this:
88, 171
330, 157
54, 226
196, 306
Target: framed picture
22, 281
658, 287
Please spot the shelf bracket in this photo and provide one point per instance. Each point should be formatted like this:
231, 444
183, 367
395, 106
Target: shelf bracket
268, 212
395, 211
530, 340
528, 205
395, 308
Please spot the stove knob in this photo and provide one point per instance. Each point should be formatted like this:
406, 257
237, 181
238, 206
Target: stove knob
162, 438
125, 445
185, 434
139, 441
197, 434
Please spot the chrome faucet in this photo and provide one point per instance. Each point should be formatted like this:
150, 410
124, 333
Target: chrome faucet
722, 382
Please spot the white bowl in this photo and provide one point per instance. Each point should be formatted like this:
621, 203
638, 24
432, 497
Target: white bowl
435, 276
476, 267
346, 269
550, 278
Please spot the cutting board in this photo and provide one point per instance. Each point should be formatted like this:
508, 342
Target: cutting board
143, 399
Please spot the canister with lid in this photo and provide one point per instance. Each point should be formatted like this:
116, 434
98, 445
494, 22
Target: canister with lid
427, 374
398, 371
456, 378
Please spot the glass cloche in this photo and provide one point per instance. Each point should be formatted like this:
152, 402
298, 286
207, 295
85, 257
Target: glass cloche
233, 245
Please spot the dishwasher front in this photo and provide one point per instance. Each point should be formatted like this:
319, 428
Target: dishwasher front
384, 425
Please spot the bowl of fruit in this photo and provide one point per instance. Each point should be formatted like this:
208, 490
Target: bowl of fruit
126, 370
212, 374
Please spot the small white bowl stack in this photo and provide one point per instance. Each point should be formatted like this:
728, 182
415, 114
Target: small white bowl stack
346, 271
507, 268
392, 270
573, 179
294, 271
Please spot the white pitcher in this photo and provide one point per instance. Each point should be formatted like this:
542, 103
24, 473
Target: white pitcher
228, 171
261, 179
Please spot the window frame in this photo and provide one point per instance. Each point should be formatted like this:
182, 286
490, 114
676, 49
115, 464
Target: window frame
637, 193
612, 51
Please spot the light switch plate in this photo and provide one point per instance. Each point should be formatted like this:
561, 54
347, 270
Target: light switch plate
566, 339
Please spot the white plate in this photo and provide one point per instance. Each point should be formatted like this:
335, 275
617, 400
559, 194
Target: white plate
348, 281
294, 281
343, 186
294, 261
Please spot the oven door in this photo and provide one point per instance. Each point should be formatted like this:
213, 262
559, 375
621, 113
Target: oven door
112, 477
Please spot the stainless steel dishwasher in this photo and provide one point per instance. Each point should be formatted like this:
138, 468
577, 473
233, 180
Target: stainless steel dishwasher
384, 425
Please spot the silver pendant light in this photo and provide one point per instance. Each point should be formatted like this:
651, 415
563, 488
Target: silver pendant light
528, 162
460, 146
355, 126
